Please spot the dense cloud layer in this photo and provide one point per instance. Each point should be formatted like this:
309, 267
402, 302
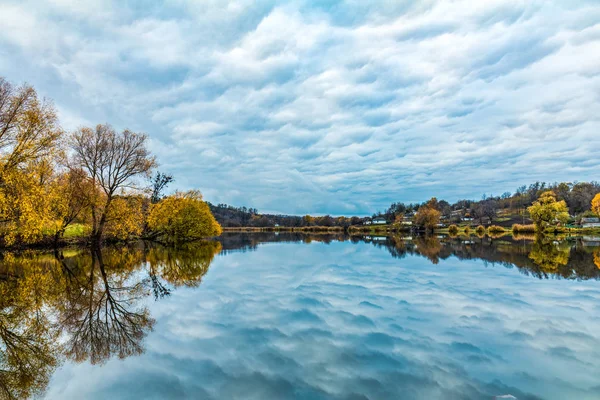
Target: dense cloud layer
338, 108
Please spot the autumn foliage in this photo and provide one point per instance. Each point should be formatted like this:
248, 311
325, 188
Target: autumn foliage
548, 211
596, 205
428, 216
181, 217
93, 177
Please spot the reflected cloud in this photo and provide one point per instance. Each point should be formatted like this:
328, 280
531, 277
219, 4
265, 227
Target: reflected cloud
308, 316
83, 305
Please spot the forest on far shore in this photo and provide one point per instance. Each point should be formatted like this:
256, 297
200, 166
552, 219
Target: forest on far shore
505, 209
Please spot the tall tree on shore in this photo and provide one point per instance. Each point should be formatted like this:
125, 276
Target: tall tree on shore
596, 204
428, 215
29, 138
547, 211
113, 161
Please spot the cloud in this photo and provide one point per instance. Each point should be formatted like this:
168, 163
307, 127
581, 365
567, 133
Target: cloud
341, 107
267, 325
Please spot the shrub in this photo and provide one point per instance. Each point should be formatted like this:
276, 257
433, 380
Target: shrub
453, 229
495, 229
182, 217
480, 230
467, 230
523, 236
518, 228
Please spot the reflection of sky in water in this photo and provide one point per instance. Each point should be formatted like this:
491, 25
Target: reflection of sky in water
347, 321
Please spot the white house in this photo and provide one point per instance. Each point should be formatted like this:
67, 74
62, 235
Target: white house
376, 221
590, 222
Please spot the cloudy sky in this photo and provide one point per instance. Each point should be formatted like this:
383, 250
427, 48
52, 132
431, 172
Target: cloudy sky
326, 107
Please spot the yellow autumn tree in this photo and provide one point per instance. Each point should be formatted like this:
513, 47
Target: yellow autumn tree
125, 218
428, 216
548, 211
29, 138
182, 217
596, 204
70, 192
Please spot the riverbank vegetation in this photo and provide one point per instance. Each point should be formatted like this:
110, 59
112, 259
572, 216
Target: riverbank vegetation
505, 211
91, 183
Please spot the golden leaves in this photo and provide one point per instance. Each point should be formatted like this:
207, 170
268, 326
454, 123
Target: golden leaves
181, 217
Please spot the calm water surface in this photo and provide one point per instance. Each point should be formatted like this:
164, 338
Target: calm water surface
291, 316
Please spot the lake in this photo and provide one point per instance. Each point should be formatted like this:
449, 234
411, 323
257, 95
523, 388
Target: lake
305, 316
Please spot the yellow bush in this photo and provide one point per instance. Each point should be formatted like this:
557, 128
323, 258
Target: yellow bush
495, 229
182, 217
518, 228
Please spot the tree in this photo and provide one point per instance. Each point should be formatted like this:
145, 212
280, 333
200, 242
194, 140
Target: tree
485, 208
307, 220
71, 194
29, 139
596, 204
113, 161
547, 211
581, 196
428, 216
159, 184
399, 218
182, 217
125, 218
29, 129
445, 208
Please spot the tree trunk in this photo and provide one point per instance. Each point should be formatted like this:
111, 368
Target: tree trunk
58, 235
99, 228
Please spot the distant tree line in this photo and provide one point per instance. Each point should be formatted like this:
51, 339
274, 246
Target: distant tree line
232, 217
577, 197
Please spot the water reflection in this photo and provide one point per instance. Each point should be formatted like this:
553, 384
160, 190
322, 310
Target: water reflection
93, 306
93, 300
542, 257
101, 314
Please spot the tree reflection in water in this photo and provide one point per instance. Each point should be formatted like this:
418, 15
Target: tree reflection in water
90, 305
102, 315
570, 258
94, 299
574, 258
28, 354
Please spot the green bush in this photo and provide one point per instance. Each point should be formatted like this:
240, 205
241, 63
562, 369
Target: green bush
467, 230
480, 230
453, 229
